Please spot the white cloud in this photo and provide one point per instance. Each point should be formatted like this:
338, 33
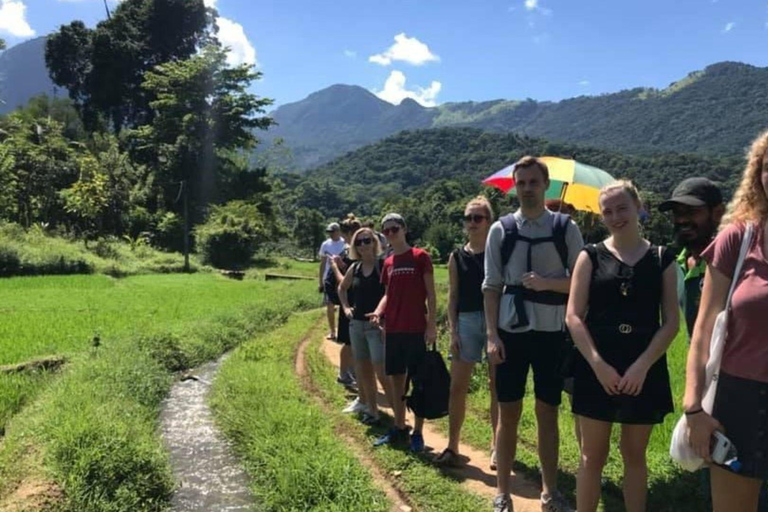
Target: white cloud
394, 91
232, 35
729, 26
533, 6
406, 49
584, 83
13, 19
349, 53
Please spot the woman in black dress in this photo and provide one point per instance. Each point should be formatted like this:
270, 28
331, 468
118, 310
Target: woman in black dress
620, 290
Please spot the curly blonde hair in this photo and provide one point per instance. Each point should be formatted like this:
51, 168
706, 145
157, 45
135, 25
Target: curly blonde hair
750, 203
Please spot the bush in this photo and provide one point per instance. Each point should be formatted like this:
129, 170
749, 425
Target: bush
10, 264
231, 235
169, 234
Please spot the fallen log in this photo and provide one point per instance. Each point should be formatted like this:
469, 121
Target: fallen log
44, 364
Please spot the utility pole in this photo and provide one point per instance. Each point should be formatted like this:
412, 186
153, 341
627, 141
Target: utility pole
109, 16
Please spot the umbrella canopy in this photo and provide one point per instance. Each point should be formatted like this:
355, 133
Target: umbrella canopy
570, 181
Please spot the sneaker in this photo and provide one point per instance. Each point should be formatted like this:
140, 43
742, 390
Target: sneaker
493, 460
417, 442
447, 458
555, 502
502, 503
331, 336
345, 380
394, 436
355, 407
369, 419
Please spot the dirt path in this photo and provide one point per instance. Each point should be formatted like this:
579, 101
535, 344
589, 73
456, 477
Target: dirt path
475, 474
399, 501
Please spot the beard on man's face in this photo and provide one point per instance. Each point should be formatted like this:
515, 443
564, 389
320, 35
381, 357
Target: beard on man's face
690, 233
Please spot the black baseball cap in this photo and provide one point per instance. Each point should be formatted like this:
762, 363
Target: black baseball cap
694, 192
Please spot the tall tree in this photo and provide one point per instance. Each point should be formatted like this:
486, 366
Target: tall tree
204, 122
103, 68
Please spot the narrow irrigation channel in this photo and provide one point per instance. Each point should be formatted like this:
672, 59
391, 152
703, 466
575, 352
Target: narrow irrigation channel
209, 476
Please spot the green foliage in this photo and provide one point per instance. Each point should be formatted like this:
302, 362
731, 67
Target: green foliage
169, 233
103, 68
308, 230
231, 235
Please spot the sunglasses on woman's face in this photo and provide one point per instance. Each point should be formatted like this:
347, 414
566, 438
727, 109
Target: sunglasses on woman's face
391, 231
476, 218
363, 241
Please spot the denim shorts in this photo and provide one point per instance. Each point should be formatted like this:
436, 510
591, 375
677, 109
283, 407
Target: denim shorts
367, 341
472, 337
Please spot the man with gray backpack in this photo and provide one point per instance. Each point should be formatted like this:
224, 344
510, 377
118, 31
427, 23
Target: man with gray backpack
528, 259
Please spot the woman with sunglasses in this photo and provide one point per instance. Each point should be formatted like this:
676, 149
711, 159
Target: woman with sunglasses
466, 320
619, 290
360, 292
407, 313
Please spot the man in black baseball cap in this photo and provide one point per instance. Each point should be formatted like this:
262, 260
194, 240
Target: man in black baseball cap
697, 208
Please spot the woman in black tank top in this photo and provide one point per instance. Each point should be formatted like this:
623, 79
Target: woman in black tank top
619, 290
466, 318
359, 293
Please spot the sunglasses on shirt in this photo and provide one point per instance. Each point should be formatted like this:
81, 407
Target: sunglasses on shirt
391, 231
363, 241
476, 218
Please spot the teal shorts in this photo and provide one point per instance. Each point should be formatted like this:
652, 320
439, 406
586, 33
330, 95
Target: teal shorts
472, 337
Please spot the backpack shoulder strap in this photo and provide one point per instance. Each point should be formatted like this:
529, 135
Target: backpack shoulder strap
509, 223
560, 224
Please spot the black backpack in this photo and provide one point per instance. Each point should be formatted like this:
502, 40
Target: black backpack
430, 387
511, 235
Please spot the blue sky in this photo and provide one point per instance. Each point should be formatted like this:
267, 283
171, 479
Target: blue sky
442, 51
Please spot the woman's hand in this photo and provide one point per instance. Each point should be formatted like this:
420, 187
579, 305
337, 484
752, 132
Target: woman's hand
455, 343
701, 426
634, 378
349, 312
608, 376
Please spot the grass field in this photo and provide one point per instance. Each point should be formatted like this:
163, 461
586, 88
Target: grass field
90, 431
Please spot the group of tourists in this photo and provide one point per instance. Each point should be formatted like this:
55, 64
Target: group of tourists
593, 320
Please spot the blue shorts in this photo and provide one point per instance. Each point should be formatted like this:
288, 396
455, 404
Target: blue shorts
367, 341
472, 338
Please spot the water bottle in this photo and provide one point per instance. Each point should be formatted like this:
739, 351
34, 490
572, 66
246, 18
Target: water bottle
724, 452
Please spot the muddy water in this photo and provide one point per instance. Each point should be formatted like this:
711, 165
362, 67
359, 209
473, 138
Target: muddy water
208, 476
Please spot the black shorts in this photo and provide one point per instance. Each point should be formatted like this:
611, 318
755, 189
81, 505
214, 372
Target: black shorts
544, 352
342, 330
741, 405
403, 351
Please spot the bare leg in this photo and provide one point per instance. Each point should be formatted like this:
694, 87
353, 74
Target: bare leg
549, 444
506, 442
733, 492
398, 405
634, 443
461, 372
595, 443
330, 311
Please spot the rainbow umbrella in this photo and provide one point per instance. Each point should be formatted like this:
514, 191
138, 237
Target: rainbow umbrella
570, 181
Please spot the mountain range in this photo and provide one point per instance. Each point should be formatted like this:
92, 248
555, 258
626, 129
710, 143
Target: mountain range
715, 111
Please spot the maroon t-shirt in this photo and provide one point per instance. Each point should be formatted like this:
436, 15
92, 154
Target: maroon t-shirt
403, 275
746, 347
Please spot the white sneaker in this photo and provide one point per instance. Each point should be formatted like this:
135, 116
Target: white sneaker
355, 407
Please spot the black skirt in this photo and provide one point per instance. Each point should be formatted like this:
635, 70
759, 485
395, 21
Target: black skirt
741, 405
620, 350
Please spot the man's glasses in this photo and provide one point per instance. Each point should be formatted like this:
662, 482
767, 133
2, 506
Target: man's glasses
363, 241
476, 218
391, 231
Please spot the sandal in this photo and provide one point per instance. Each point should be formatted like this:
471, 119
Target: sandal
447, 458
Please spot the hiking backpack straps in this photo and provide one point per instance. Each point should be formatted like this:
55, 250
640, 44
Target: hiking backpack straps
560, 223
521, 294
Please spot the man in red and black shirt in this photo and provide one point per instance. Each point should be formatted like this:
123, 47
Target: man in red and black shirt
407, 312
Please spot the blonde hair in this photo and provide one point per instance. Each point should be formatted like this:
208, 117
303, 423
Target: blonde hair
625, 186
353, 254
749, 203
481, 202
350, 224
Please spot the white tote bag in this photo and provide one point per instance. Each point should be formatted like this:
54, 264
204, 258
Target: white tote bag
679, 448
